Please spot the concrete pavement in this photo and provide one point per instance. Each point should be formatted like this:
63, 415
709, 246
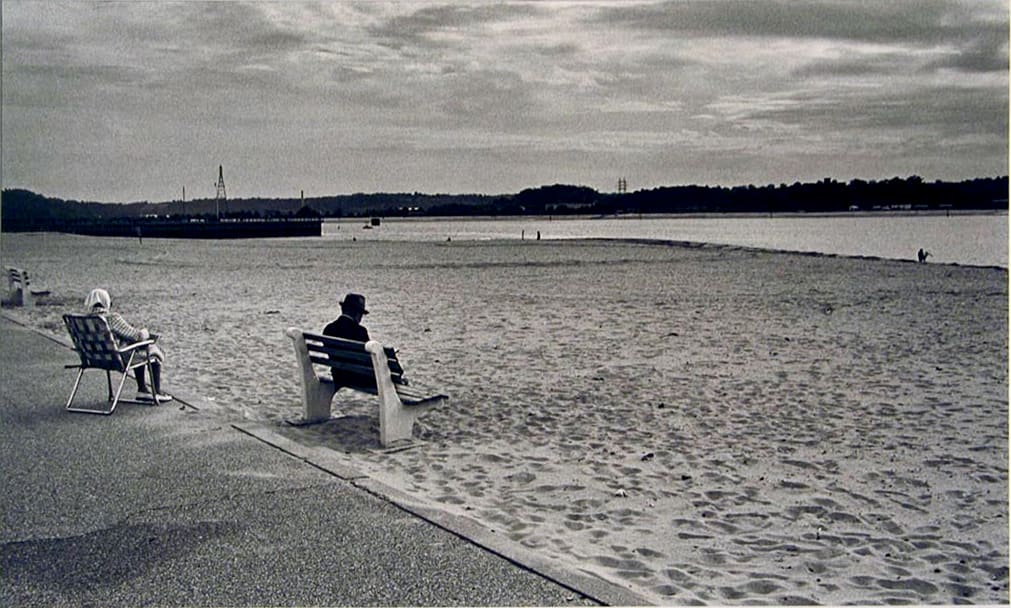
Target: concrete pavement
173, 506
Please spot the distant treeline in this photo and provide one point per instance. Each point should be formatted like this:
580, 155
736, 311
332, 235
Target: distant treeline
23, 210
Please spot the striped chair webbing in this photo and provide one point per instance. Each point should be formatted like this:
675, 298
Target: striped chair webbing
94, 342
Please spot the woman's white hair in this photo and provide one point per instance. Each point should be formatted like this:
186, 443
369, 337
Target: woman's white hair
98, 297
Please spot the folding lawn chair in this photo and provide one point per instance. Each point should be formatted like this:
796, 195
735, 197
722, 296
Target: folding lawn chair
96, 345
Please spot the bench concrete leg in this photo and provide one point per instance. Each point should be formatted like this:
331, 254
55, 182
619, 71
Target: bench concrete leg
396, 421
19, 297
316, 395
316, 401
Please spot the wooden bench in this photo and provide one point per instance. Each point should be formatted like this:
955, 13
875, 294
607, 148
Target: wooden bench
399, 404
19, 290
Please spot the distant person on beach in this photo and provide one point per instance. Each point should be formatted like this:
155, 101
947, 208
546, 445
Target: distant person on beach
99, 303
921, 255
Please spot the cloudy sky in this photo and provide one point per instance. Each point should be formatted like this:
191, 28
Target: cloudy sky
128, 101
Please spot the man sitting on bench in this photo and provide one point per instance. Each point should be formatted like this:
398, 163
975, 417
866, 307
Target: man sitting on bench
349, 326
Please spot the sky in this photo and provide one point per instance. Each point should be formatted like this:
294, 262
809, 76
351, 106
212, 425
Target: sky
132, 101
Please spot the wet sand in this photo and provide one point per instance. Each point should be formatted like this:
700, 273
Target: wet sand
704, 424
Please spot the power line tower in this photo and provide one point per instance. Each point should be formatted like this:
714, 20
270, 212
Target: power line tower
622, 185
219, 195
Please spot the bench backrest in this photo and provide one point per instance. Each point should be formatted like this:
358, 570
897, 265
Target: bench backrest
16, 275
94, 342
348, 356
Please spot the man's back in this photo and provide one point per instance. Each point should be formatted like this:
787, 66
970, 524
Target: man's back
347, 328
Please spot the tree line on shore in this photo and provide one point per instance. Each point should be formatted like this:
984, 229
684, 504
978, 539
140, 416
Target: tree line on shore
24, 210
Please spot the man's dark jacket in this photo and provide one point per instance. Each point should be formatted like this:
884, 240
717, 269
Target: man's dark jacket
346, 327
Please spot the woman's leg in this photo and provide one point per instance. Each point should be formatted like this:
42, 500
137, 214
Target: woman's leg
156, 372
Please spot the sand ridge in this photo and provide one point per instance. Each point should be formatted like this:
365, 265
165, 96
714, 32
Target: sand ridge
703, 424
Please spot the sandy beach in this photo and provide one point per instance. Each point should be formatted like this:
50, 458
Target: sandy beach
703, 424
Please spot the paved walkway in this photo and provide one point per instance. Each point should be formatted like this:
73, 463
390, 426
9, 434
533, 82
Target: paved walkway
173, 506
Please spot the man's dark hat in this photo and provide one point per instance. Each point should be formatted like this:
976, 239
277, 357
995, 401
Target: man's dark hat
355, 302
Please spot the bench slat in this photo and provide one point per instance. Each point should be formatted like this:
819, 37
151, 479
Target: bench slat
333, 342
353, 368
341, 355
420, 400
350, 350
408, 394
354, 359
412, 396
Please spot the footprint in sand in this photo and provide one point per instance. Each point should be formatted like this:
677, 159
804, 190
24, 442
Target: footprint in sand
647, 552
523, 477
574, 524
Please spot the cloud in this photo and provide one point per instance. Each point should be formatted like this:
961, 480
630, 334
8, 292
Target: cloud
986, 51
433, 25
921, 22
851, 119
511, 90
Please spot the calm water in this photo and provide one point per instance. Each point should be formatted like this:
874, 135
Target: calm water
972, 239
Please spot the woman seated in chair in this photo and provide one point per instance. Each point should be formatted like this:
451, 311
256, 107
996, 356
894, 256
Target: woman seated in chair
98, 302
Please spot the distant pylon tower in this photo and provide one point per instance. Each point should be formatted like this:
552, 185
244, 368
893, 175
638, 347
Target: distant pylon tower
219, 196
622, 185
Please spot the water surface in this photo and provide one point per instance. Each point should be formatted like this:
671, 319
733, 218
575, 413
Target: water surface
969, 239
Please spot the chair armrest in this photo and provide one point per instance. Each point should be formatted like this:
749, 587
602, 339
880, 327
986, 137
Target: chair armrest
136, 345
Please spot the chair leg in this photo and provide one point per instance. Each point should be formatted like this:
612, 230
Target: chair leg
119, 390
77, 384
84, 410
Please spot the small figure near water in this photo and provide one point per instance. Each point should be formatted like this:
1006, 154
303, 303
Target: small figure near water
921, 255
99, 303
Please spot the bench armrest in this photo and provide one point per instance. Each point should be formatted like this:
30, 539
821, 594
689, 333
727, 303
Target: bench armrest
380, 362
